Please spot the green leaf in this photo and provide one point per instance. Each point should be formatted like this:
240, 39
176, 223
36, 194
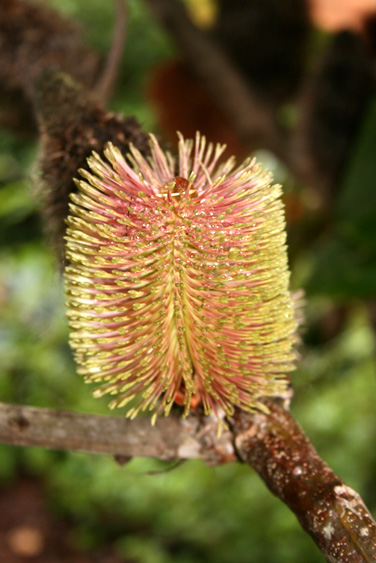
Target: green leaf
343, 270
345, 262
357, 203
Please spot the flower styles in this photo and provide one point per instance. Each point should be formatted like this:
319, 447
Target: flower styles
177, 286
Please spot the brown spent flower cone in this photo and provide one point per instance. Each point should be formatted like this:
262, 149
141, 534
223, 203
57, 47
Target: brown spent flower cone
72, 124
33, 37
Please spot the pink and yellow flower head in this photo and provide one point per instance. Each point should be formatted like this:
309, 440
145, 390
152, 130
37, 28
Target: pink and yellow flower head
178, 280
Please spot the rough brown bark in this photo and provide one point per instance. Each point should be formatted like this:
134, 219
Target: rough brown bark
332, 513
273, 444
170, 439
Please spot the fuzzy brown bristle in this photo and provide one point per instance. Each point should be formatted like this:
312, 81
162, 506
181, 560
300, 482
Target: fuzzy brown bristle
33, 36
72, 124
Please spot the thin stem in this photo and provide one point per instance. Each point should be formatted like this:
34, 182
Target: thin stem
107, 81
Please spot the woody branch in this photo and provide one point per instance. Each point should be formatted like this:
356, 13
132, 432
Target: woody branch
273, 444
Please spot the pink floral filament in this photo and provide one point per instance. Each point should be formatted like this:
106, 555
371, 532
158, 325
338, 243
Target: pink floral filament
178, 280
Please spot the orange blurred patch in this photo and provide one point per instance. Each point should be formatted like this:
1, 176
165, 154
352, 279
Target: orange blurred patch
26, 541
182, 104
336, 15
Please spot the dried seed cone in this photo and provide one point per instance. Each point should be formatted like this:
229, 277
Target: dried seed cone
178, 281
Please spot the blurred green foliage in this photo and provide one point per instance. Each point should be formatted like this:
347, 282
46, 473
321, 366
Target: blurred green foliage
191, 513
346, 263
146, 45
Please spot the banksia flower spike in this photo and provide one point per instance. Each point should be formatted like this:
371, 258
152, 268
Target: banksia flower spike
178, 280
